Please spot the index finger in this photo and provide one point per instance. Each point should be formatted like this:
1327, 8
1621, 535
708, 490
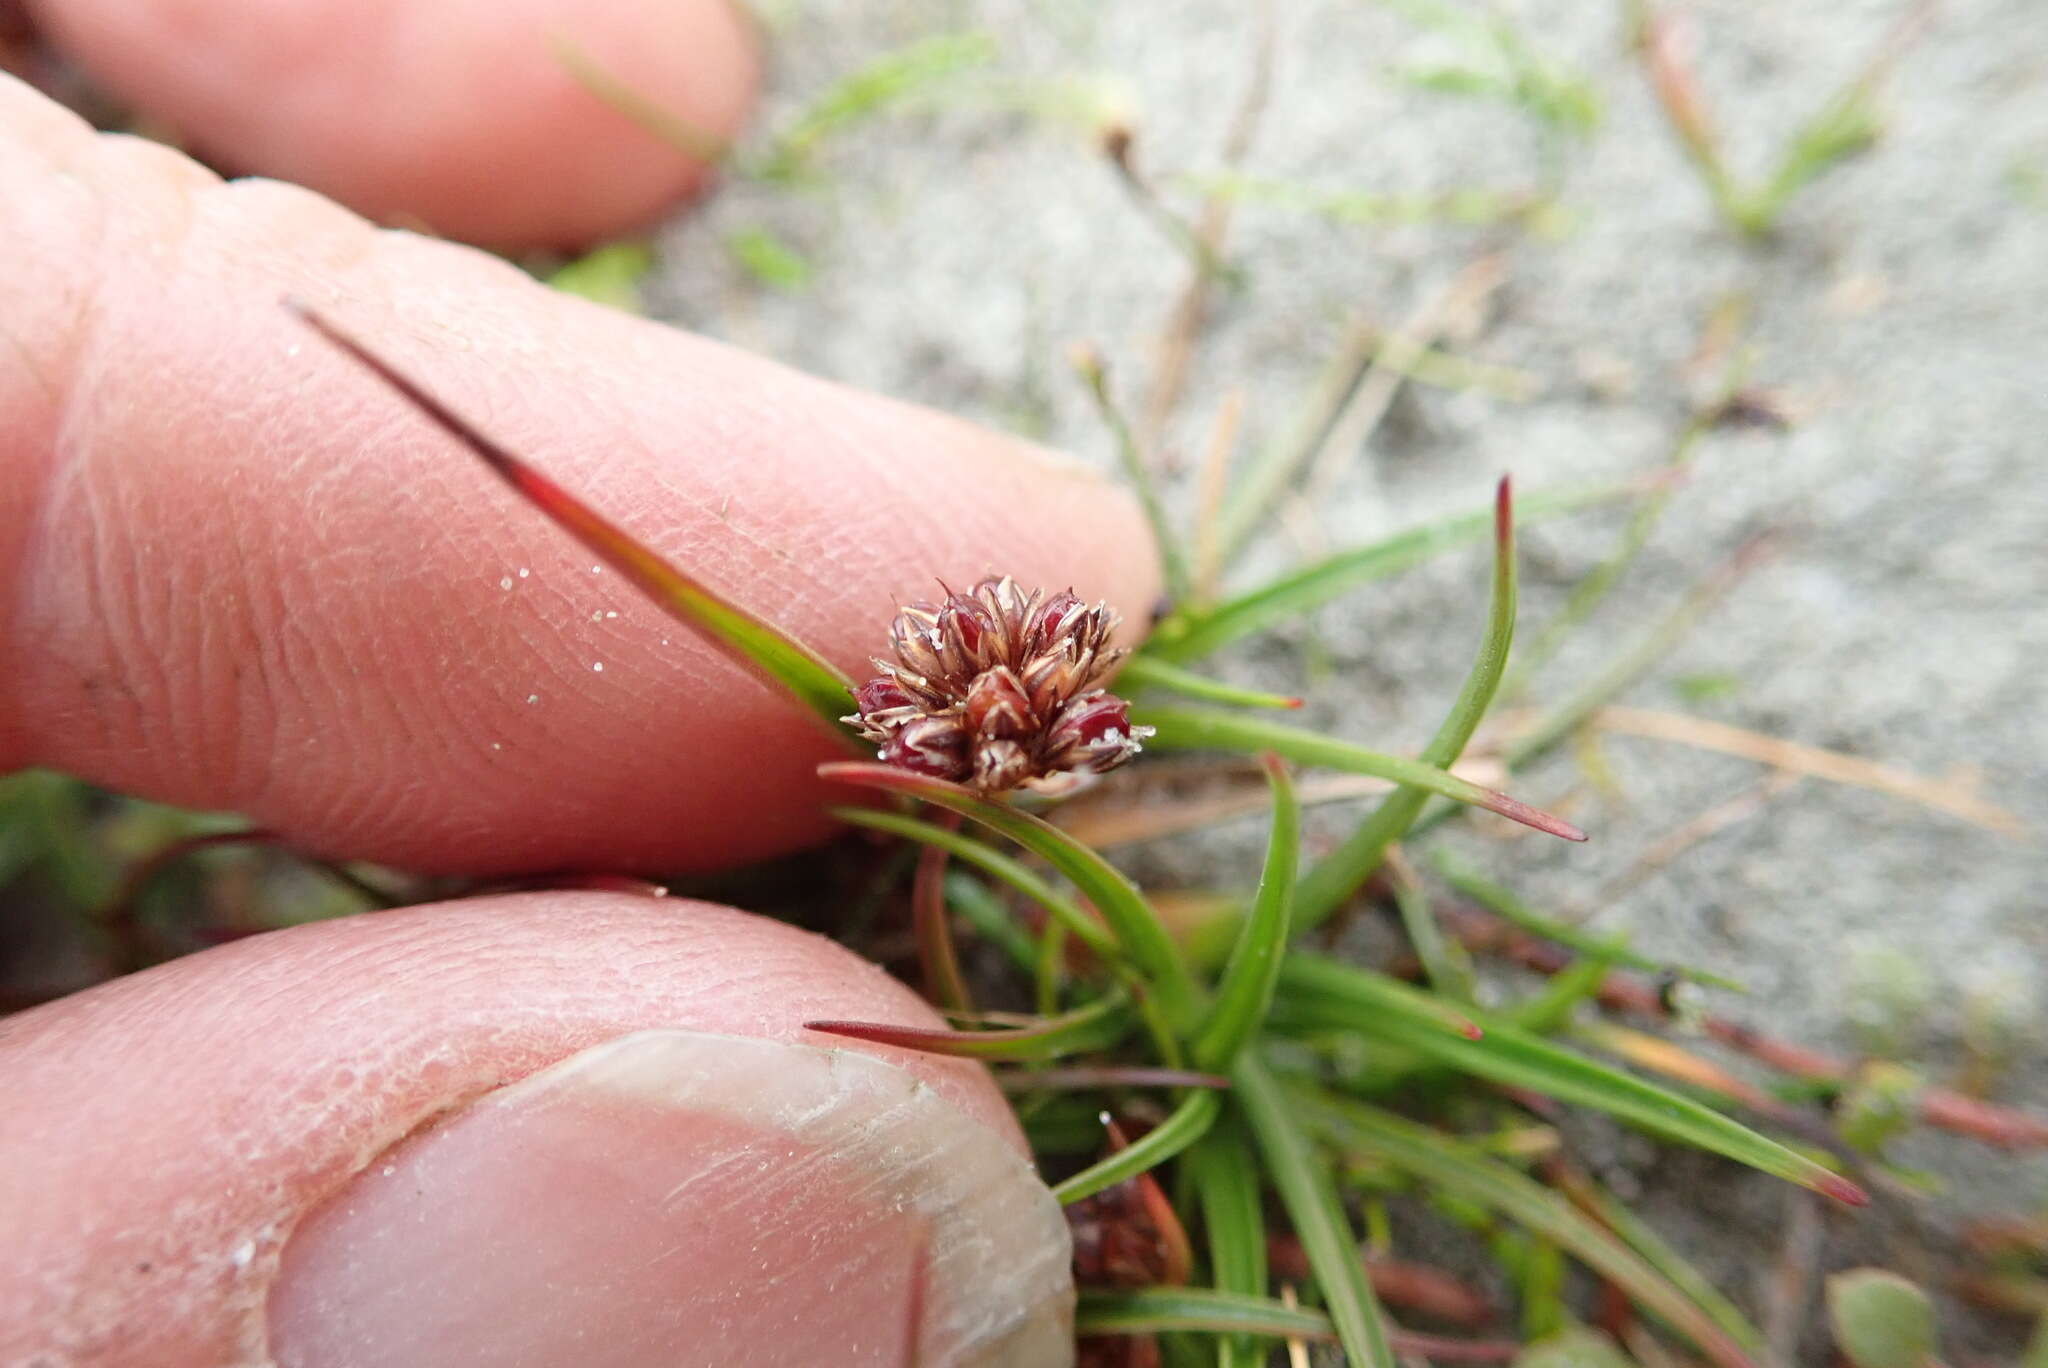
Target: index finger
246, 576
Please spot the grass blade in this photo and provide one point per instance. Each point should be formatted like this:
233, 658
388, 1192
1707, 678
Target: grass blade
939, 965
1444, 962
1144, 672
1155, 1309
1310, 1195
1337, 875
1246, 988
1610, 1211
1504, 903
1284, 600
1334, 994
1439, 1160
1181, 728
1145, 942
756, 644
989, 918
1187, 1124
1057, 905
1173, 565
1225, 1179
1097, 1026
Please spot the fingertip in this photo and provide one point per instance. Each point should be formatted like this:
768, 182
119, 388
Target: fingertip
462, 117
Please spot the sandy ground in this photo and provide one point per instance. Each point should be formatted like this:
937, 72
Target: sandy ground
954, 251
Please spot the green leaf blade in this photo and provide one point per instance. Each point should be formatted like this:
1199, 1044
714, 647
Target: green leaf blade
1310, 1196
756, 644
1131, 921
1438, 1159
1386, 1008
1187, 728
1338, 875
1188, 1123
1246, 988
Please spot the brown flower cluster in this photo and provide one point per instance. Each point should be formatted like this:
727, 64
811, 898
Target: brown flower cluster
996, 689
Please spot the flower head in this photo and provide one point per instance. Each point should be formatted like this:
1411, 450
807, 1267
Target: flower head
996, 689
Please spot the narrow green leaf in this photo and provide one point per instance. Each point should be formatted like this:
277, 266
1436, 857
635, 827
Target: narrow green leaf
1246, 988
1185, 1125
1098, 1026
1225, 1179
989, 918
1636, 1233
1338, 875
1441, 1161
938, 965
1550, 1008
1145, 672
1286, 599
1150, 950
1061, 908
1151, 1310
1173, 563
1503, 901
1444, 962
1309, 1193
1372, 1004
754, 642
1183, 728
890, 79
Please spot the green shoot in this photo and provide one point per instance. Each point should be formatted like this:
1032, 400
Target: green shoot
1309, 1192
1147, 672
1173, 565
1246, 988
1133, 923
1339, 874
1188, 1123
1181, 728
752, 641
1432, 1156
1324, 993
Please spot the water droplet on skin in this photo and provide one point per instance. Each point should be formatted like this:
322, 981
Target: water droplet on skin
611, 614
533, 698
524, 572
596, 615
497, 745
597, 569
597, 665
505, 583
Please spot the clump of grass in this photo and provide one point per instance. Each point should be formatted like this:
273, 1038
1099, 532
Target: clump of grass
1273, 1019
1846, 123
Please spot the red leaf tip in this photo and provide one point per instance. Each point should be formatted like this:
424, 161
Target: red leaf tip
1842, 1190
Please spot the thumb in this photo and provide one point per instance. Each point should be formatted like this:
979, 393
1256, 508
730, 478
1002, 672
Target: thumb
539, 1129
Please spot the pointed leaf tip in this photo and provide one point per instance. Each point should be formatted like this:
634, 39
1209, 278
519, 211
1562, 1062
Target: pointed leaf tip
1514, 809
1842, 1190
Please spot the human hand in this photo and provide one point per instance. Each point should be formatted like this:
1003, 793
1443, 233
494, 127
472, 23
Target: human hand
245, 576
